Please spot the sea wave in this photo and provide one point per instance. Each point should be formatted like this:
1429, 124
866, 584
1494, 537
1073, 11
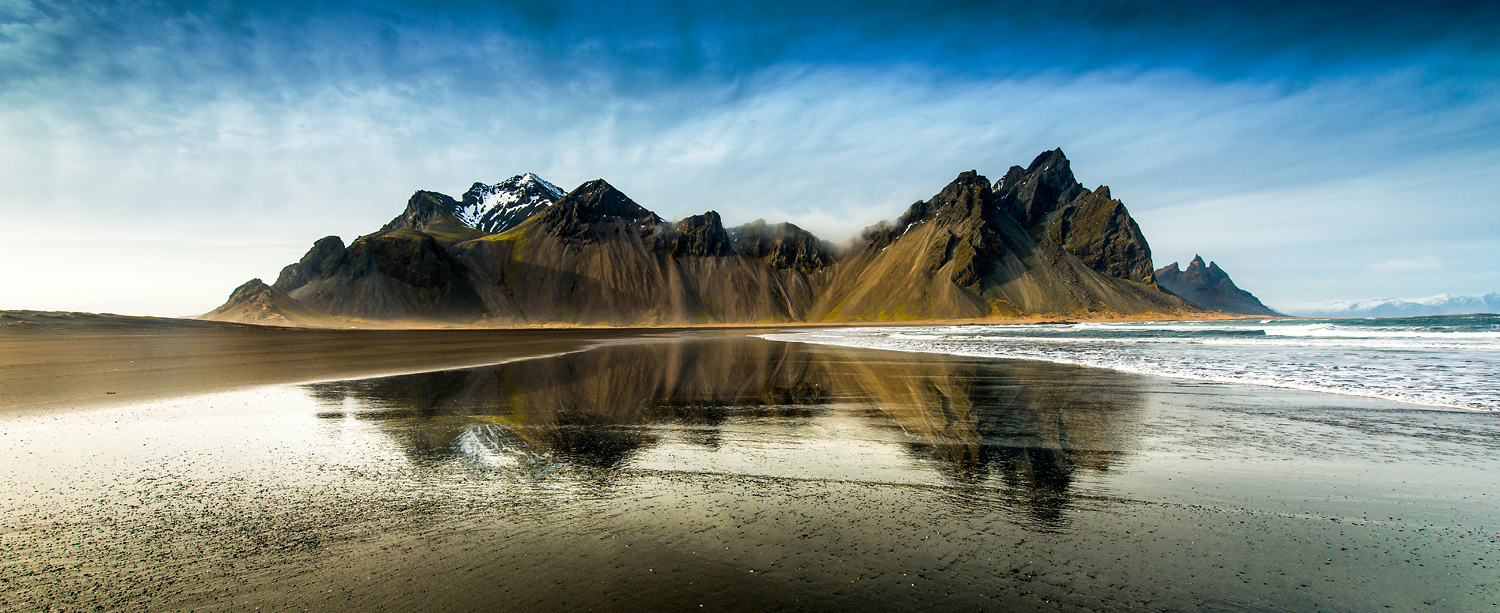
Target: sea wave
1443, 362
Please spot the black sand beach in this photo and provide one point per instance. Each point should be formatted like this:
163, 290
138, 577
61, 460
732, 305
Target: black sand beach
708, 470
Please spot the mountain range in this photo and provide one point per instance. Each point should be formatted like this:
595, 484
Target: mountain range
1442, 304
519, 252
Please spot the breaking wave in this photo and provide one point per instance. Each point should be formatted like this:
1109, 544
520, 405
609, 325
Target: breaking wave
1451, 361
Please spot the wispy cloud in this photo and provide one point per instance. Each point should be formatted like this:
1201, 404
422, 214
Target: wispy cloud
1276, 141
1406, 266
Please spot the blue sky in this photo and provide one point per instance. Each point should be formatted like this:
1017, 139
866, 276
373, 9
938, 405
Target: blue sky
157, 154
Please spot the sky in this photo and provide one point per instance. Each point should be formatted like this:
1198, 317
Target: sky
155, 155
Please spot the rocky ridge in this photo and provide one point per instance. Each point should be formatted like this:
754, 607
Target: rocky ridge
782, 246
1209, 287
1046, 198
1035, 242
972, 251
258, 303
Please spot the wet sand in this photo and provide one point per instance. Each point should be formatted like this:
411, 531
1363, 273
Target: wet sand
59, 361
64, 360
711, 471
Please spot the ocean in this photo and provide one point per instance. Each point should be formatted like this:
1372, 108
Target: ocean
1445, 361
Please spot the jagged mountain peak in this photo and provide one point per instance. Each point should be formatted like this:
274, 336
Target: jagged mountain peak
967, 195
694, 236
1044, 186
1046, 199
1054, 161
1208, 286
597, 198
318, 263
782, 246
250, 289
968, 182
504, 205
593, 202
1210, 272
422, 208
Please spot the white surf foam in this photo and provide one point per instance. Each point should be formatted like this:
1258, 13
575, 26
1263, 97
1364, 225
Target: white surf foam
1454, 369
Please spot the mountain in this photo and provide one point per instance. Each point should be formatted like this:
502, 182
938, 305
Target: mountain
1037, 242
596, 256
1442, 304
970, 251
782, 246
258, 303
493, 209
1045, 199
1210, 287
433, 214
485, 209
400, 274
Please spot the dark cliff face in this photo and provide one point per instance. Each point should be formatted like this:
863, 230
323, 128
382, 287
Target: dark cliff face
1209, 287
781, 246
318, 263
1099, 230
422, 208
1047, 200
968, 197
696, 236
574, 217
411, 258
397, 274
1044, 186
974, 240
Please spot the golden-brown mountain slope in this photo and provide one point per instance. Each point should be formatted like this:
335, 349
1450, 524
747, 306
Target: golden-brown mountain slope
960, 255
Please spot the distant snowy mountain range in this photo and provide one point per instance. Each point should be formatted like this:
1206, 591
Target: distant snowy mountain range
1442, 304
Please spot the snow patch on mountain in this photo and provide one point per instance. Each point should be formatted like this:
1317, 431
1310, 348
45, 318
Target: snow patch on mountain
504, 205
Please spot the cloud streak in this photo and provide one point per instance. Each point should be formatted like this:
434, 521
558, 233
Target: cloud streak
1279, 142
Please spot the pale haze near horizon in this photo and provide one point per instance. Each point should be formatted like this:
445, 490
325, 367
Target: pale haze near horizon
155, 158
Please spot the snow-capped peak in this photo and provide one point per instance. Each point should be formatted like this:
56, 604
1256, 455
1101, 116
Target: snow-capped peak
504, 205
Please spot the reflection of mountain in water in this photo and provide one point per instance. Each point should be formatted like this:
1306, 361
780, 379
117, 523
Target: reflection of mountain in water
590, 407
1032, 426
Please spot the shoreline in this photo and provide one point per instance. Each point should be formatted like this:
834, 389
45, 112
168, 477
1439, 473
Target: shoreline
26, 320
1410, 404
73, 361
